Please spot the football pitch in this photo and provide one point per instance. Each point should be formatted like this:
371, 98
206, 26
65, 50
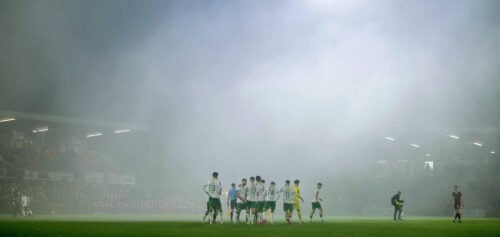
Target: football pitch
188, 226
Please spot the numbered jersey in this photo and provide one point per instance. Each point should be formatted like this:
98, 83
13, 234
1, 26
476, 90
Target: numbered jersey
241, 193
252, 193
316, 191
272, 194
25, 200
288, 195
261, 192
214, 188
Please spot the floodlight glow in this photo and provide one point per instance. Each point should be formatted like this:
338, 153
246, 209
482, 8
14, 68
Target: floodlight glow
415, 145
492, 152
42, 129
478, 144
454, 136
390, 138
121, 131
94, 134
6, 120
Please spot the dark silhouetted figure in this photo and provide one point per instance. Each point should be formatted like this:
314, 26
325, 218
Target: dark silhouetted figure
458, 202
398, 205
17, 202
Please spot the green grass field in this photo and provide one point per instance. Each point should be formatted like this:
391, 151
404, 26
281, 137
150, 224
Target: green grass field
185, 226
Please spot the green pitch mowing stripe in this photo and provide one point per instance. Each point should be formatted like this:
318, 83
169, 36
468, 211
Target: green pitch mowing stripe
333, 227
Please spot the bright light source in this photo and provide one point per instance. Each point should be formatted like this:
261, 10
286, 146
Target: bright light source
94, 134
492, 152
6, 120
478, 144
121, 131
42, 129
454, 136
429, 165
427, 154
415, 145
390, 138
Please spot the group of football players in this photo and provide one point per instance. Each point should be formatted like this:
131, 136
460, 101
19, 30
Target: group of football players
255, 199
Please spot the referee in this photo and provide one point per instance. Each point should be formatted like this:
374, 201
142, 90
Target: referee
231, 199
458, 202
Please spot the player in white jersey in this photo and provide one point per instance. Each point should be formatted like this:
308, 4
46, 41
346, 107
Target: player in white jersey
25, 201
288, 197
272, 195
251, 200
241, 195
259, 205
316, 203
214, 190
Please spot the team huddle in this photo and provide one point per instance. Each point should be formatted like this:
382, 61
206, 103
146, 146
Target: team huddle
255, 199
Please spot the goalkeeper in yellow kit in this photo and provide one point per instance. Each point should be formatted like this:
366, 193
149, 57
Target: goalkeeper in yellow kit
296, 198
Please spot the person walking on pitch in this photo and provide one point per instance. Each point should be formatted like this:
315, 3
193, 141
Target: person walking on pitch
231, 200
457, 202
316, 203
272, 195
398, 205
296, 198
287, 193
214, 190
241, 194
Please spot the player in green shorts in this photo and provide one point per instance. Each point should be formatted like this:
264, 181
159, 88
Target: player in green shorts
316, 203
251, 199
241, 195
214, 190
207, 213
259, 205
270, 204
287, 193
215, 204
